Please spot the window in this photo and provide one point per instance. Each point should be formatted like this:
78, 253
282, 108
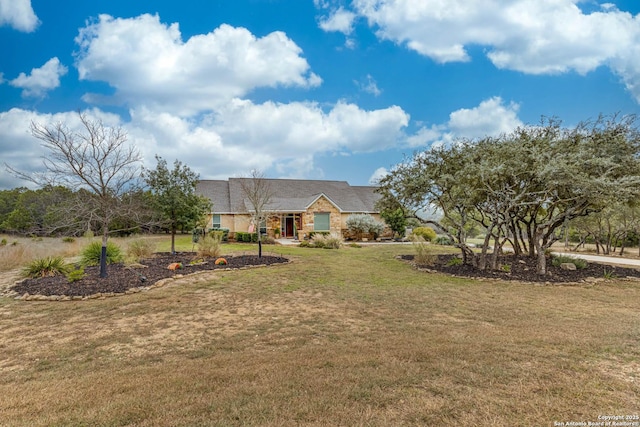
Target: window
321, 222
215, 221
263, 227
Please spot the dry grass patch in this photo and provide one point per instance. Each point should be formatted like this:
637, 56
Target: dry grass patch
350, 337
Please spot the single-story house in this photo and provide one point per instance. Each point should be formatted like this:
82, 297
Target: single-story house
296, 207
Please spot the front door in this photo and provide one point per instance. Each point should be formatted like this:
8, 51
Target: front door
288, 227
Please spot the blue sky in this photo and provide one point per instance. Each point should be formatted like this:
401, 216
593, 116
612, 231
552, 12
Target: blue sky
319, 89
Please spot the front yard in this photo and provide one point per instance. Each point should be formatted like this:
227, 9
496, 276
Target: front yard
336, 337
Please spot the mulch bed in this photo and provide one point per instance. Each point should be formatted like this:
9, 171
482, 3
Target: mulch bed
121, 278
524, 269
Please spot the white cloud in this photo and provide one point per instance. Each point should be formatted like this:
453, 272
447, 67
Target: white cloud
490, 118
426, 135
531, 36
340, 20
369, 85
41, 79
377, 175
19, 15
241, 136
283, 137
149, 64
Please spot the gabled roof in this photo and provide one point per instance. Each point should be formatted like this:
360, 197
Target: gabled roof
322, 195
290, 195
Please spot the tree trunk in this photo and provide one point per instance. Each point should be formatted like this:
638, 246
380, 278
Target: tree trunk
517, 250
259, 238
541, 267
581, 243
482, 262
532, 240
173, 239
495, 254
103, 253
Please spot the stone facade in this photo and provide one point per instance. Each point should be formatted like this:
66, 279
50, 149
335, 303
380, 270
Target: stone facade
322, 205
304, 221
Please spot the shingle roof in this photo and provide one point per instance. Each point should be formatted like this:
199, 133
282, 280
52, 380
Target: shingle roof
290, 195
218, 192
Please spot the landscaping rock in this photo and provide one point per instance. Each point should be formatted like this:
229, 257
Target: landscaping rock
568, 266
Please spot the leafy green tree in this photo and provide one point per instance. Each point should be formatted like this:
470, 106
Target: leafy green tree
174, 196
525, 186
8, 201
396, 220
40, 212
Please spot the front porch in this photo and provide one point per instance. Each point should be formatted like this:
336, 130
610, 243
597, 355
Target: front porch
285, 226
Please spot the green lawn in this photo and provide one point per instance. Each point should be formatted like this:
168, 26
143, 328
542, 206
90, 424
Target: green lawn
349, 337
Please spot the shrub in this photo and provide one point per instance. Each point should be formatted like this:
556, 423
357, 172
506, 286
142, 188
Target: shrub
43, 267
218, 234
360, 224
245, 237
3, 242
68, 239
75, 274
91, 253
322, 242
426, 233
396, 220
139, 249
443, 240
423, 251
210, 246
561, 259
312, 234
330, 242
454, 261
268, 240
225, 233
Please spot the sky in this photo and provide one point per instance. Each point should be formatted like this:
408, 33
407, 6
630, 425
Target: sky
313, 89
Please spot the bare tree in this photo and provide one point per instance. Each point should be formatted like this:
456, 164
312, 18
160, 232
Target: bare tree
96, 159
258, 196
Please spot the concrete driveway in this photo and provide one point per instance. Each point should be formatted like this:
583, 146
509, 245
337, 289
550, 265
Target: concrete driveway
602, 259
